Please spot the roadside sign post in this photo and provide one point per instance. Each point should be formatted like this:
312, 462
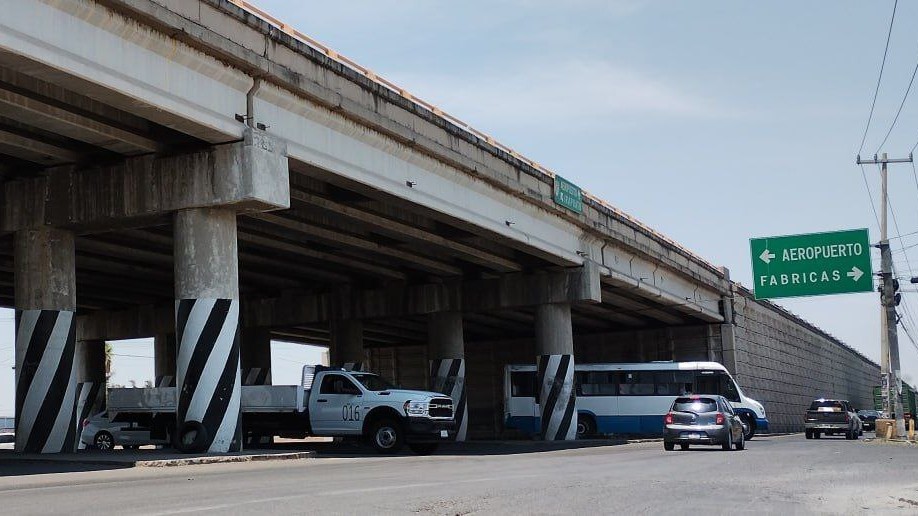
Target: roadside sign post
813, 264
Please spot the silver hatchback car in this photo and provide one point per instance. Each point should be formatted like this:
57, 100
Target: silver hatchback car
702, 419
101, 433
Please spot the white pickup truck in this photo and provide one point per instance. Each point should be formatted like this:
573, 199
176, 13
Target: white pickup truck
344, 404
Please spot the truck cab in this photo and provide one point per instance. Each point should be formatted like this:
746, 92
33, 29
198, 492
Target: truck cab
351, 403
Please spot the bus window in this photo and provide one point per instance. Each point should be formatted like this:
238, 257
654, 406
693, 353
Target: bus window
673, 383
596, 383
637, 383
522, 384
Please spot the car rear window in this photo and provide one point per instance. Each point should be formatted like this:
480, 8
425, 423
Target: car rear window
827, 406
696, 405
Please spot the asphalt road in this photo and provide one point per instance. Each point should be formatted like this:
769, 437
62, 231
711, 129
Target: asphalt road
787, 475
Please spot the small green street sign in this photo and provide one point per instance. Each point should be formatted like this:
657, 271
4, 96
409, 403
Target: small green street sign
877, 398
815, 264
568, 194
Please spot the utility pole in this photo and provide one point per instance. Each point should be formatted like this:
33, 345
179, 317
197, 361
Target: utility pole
889, 338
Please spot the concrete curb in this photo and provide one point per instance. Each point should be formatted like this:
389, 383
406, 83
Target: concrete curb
163, 463
891, 442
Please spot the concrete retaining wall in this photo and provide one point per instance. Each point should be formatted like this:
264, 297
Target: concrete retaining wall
785, 362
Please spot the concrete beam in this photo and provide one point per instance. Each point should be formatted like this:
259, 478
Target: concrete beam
58, 119
139, 321
247, 237
577, 285
251, 175
30, 149
510, 291
403, 230
361, 244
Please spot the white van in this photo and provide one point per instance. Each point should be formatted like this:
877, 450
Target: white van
628, 398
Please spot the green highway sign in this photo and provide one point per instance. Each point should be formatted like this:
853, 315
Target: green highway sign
815, 264
568, 194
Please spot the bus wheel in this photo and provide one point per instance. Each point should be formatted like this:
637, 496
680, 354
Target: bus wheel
748, 426
586, 426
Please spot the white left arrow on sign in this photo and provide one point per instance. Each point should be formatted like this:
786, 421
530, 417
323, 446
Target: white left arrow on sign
855, 273
767, 256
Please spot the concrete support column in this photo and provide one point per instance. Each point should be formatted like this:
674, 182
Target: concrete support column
164, 359
256, 356
207, 329
728, 328
446, 350
91, 380
46, 369
347, 344
554, 340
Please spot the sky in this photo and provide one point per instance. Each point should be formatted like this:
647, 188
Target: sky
711, 121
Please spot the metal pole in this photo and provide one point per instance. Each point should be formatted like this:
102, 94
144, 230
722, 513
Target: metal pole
889, 305
889, 352
884, 322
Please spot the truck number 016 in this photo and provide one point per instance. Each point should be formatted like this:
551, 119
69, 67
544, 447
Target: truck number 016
350, 413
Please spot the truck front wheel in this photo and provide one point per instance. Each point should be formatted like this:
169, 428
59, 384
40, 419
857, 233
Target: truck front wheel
192, 437
387, 436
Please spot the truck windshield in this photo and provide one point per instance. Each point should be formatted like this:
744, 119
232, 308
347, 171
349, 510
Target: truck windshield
373, 382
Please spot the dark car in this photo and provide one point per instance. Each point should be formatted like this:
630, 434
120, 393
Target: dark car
829, 417
702, 419
869, 418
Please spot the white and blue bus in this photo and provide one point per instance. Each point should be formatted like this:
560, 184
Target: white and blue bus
628, 398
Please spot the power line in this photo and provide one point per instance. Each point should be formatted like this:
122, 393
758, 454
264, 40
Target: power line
899, 111
880, 78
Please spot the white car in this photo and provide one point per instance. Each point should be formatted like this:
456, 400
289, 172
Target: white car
100, 433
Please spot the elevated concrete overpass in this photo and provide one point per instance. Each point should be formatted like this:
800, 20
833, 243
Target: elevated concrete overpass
196, 171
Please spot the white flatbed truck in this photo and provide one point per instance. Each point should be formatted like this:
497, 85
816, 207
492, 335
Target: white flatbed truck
327, 403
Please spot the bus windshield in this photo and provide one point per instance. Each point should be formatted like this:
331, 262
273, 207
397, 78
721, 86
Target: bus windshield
716, 382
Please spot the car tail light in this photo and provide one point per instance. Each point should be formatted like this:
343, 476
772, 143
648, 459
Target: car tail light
668, 418
85, 422
847, 418
719, 419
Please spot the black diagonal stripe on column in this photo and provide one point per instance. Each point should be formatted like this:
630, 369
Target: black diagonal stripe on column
216, 408
92, 398
452, 375
556, 386
51, 405
201, 354
181, 316
542, 364
434, 368
70, 442
459, 414
568, 418
35, 349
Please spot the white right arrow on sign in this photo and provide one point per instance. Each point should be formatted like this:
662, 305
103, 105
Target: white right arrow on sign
855, 273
